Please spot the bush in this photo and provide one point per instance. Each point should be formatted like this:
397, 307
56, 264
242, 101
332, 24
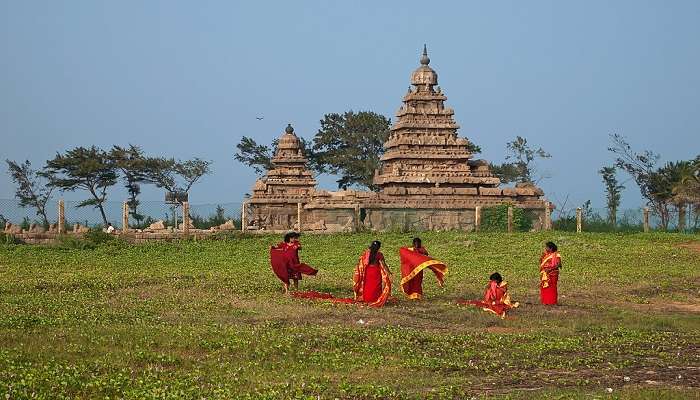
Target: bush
495, 219
90, 240
6, 238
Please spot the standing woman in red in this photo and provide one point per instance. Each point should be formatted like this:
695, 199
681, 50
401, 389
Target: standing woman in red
372, 281
550, 263
413, 261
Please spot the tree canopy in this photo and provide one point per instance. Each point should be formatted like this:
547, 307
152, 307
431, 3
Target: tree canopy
89, 169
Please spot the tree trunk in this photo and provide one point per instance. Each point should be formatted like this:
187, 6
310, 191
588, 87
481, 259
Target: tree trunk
681, 217
102, 211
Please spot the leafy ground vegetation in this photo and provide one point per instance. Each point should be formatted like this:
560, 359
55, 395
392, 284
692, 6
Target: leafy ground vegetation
207, 320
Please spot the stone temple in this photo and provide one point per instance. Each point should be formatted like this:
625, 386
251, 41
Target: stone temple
428, 178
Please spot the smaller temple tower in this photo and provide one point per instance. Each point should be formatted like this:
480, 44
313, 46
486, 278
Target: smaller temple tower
276, 195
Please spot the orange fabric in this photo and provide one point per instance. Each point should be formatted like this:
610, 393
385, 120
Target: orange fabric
362, 280
413, 262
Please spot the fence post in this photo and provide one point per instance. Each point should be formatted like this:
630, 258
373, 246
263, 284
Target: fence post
299, 207
244, 220
579, 220
547, 216
510, 219
477, 218
646, 219
186, 218
61, 217
125, 217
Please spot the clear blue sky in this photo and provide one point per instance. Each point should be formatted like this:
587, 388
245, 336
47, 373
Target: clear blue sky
187, 79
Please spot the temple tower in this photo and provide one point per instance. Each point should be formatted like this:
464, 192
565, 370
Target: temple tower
423, 150
290, 178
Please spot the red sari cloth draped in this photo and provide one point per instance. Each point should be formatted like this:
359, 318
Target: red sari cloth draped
322, 296
371, 282
496, 299
413, 262
550, 262
284, 259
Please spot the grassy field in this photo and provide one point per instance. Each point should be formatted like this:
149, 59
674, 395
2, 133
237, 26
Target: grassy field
207, 320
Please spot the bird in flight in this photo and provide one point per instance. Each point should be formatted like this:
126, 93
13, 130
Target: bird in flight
259, 118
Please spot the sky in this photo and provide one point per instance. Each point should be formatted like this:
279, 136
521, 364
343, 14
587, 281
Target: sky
188, 79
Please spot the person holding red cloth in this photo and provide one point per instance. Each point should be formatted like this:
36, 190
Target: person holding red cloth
550, 263
496, 297
372, 277
413, 261
284, 259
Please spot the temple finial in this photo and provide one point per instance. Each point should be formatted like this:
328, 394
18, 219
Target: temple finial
289, 129
425, 60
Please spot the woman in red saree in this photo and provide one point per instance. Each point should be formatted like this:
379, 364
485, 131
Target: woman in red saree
550, 263
496, 297
413, 261
284, 259
372, 280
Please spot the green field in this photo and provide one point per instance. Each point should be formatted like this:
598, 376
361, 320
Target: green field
207, 320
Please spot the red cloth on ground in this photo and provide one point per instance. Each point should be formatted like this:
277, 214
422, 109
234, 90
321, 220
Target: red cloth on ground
550, 262
322, 296
413, 262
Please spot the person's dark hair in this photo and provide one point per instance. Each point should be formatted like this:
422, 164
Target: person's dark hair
373, 250
496, 277
551, 246
288, 236
295, 235
417, 242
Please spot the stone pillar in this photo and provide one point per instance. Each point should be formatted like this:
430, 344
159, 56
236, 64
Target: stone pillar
244, 220
510, 218
646, 219
357, 218
125, 217
61, 217
477, 218
681, 217
299, 208
186, 218
547, 216
579, 220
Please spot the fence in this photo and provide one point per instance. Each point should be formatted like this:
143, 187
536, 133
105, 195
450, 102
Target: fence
203, 216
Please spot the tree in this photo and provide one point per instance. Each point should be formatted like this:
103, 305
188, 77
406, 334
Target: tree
259, 157
89, 169
254, 155
670, 184
134, 171
641, 167
176, 176
349, 145
613, 192
31, 190
520, 162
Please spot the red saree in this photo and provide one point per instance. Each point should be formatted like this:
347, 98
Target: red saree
413, 262
549, 276
284, 259
496, 299
371, 282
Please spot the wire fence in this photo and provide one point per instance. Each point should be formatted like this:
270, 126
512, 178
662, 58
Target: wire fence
203, 216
